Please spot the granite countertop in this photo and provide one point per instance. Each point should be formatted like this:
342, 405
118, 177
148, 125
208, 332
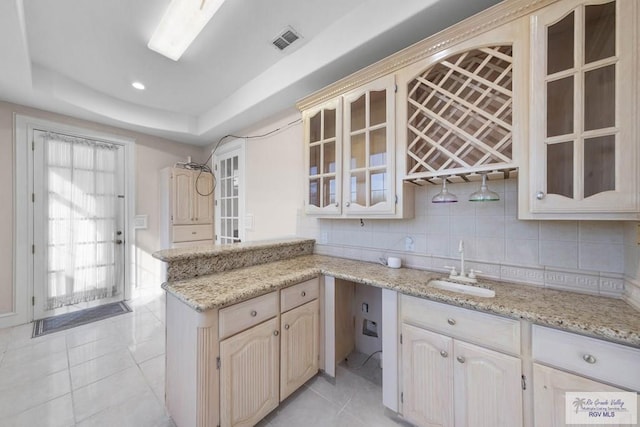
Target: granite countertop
599, 317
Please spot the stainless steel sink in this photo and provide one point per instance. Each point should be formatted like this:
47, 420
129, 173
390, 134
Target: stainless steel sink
462, 289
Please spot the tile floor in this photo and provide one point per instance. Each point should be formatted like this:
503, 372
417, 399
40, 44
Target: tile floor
112, 373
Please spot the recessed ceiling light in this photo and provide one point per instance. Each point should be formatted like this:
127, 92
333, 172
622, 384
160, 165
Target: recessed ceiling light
138, 85
180, 25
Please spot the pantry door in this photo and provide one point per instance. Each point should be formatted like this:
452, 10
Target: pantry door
229, 193
78, 218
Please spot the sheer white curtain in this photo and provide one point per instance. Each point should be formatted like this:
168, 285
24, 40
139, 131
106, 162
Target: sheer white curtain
81, 178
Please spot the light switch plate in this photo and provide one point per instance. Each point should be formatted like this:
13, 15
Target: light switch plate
140, 222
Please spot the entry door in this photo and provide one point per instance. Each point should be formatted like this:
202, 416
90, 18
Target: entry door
78, 202
229, 193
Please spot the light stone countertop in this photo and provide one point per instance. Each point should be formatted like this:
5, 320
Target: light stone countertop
599, 317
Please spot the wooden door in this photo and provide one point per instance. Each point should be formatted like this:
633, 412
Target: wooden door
202, 197
182, 205
249, 376
299, 347
488, 387
427, 377
549, 388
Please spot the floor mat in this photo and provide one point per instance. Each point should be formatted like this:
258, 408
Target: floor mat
61, 322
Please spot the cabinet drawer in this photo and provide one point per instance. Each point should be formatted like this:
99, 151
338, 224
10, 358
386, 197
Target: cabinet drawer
487, 330
185, 233
244, 315
296, 295
612, 363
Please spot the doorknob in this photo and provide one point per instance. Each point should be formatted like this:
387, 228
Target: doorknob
119, 241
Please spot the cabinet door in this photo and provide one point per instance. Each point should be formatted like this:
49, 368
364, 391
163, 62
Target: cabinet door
369, 175
202, 197
249, 376
323, 158
300, 347
182, 188
488, 387
549, 388
584, 150
427, 377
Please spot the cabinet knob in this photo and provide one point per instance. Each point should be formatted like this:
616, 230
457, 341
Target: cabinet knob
254, 313
303, 294
276, 333
589, 359
286, 327
451, 321
347, 204
444, 353
460, 359
540, 195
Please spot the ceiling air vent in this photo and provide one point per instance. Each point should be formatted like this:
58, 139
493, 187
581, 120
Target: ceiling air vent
285, 38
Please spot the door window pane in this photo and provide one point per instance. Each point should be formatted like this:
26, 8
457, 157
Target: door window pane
378, 107
560, 107
358, 114
599, 165
329, 158
560, 169
329, 191
358, 151
314, 196
358, 188
599, 32
329, 124
600, 98
314, 128
378, 148
314, 160
378, 187
560, 50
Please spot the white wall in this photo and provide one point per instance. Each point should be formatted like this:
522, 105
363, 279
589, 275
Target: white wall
152, 154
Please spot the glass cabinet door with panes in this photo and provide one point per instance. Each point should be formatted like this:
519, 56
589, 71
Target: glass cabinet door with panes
584, 110
323, 142
369, 175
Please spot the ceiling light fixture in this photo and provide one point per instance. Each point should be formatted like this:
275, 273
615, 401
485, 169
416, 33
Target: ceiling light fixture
138, 85
180, 25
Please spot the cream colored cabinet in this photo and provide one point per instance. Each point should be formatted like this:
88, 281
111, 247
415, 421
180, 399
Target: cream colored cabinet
447, 382
549, 388
192, 197
583, 116
299, 347
249, 387
351, 155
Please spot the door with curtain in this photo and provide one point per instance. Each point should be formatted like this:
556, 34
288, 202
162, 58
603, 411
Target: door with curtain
78, 198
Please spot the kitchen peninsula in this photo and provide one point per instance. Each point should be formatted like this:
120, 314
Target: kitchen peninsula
207, 284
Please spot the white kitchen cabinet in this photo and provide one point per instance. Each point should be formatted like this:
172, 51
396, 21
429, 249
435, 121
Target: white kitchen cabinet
299, 347
351, 155
449, 382
249, 386
583, 117
549, 388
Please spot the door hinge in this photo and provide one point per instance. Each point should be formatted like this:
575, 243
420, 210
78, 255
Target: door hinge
396, 199
33, 197
215, 202
218, 363
33, 145
400, 338
33, 249
395, 89
524, 382
33, 300
401, 397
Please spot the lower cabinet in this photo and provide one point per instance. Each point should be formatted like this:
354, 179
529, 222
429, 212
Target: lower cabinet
447, 382
299, 347
249, 363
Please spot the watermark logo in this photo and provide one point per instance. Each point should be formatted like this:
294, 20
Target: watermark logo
601, 408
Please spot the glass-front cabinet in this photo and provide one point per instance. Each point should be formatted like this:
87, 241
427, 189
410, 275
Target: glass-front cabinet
368, 185
323, 136
583, 145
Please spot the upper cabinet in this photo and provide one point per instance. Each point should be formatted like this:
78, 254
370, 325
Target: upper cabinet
461, 108
583, 148
350, 156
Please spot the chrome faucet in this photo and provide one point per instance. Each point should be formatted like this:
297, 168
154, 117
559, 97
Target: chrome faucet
471, 277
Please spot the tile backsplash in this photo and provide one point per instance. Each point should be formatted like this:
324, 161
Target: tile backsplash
585, 256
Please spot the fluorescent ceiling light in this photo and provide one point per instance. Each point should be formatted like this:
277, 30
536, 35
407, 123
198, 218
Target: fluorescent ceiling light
182, 22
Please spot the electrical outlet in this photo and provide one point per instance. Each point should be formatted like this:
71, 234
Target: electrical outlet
408, 244
365, 307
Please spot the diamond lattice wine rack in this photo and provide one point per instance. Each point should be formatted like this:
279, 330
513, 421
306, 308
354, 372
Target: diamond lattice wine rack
460, 114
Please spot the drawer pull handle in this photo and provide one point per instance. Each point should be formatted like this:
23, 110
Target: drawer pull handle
276, 333
589, 358
451, 321
286, 327
304, 294
444, 353
460, 359
254, 313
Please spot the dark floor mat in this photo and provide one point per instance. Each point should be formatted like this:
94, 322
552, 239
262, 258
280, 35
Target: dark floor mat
61, 322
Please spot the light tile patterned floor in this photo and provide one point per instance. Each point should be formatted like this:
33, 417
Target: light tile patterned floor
111, 373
